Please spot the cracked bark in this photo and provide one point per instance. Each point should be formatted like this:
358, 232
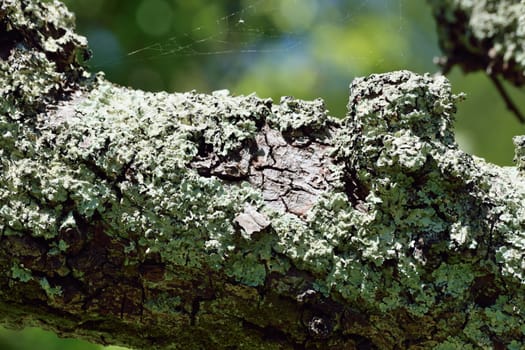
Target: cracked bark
213, 221
290, 174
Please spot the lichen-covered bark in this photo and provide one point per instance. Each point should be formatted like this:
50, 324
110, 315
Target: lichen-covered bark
487, 35
191, 221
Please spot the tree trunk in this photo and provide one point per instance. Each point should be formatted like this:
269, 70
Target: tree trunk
192, 221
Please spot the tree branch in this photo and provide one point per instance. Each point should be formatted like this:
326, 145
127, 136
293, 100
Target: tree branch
157, 220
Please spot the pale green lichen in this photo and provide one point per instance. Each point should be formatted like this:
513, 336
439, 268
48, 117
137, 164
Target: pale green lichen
293, 114
426, 199
453, 343
423, 195
29, 81
34, 32
51, 291
453, 280
138, 145
25, 87
21, 273
57, 248
427, 223
164, 303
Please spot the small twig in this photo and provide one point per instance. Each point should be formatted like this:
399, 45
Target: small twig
508, 101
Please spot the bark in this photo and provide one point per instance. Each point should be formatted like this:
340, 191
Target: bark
192, 221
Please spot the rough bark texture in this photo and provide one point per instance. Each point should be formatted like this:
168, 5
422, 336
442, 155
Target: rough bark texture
190, 221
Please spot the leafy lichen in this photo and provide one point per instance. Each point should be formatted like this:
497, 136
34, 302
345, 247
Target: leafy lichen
427, 213
293, 114
21, 273
412, 229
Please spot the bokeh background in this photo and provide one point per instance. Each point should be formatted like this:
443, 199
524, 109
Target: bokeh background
303, 48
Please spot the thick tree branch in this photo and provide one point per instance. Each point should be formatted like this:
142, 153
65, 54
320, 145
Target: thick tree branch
158, 220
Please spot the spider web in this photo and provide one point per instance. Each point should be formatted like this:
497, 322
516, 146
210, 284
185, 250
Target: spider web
236, 45
307, 49
246, 31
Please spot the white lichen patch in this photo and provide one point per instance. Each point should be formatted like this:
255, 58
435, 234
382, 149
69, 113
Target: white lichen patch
293, 114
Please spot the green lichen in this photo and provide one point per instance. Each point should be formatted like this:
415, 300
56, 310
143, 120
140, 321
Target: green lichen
434, 200
50, 291
41, 56
415, 241
122, 155
39, 67
426, 200
21, 273
452, 344
293, 114
58, 248
25, 89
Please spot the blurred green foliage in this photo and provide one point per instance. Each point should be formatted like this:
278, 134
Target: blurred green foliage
34, 338
304, 48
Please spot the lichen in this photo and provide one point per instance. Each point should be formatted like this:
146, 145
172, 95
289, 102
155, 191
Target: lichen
411, 230
39, 60
433, 203
409, 241
37, 67
21, 273
164, 303
51, 291
294, 114
519, 154
486, 35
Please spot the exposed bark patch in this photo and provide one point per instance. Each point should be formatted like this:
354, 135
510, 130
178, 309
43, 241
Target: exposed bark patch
290, 174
